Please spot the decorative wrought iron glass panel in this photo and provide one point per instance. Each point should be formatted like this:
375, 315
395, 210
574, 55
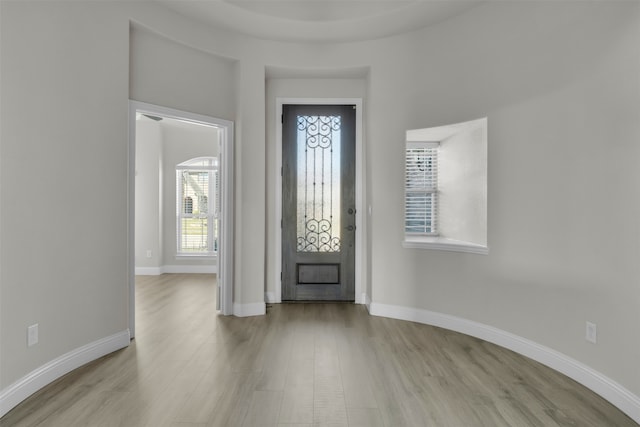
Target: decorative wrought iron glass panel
318, 175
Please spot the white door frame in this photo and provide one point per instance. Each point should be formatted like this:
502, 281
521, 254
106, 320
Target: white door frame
360, 207
225, 252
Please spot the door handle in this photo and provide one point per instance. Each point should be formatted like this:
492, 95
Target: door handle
351, 227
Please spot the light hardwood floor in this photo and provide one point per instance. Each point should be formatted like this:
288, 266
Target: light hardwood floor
303, 365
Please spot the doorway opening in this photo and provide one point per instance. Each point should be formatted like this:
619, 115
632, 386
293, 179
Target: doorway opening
186, 205
327, 274
318, 209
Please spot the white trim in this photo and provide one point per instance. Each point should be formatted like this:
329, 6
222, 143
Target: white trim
360, 205
198, 269
211, 163
609, 389
197, 256
131, 218
246, 310
175, 269
180, 167
149, 271
367, 302
226, 212
422, 144
50, 371
443, 244
226, 215
270, 297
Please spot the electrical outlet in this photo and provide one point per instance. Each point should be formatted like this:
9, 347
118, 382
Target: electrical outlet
32, 335
592, 333
148, 253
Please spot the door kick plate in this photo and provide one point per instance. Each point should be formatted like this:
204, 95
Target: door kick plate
317, 274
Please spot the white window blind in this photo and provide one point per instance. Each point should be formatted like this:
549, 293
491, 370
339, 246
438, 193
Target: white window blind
197, 206
421, 188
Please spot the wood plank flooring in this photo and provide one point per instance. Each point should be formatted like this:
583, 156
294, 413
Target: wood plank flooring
303, 365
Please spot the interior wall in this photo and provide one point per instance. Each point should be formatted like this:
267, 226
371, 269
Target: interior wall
148, 191
171, 74
462, 186
562, 110
64, 84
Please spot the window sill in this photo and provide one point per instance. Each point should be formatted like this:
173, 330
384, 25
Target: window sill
443, 244
196, 256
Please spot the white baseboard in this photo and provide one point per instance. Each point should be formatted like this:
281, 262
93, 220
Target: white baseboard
188, 269
246, 310
148, 271
270, 297
362, 299
609, 389
367, 302
51, 371
206, 269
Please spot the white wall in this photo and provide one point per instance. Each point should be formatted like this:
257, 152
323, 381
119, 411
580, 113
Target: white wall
558, 82
149, 191
64, 83
562, 210
462, 184
170, 74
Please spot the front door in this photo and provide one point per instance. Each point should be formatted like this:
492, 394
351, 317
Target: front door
318, 202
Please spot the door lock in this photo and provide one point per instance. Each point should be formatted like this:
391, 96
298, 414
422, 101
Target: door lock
351, 227
351, 211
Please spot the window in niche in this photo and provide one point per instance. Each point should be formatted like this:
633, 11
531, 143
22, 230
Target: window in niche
446, 188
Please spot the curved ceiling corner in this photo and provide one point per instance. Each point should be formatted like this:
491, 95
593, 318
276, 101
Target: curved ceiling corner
320, 21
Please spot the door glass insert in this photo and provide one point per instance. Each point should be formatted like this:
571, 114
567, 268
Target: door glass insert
318, 189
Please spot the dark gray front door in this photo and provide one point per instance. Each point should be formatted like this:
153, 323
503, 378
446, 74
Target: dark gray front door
318, 202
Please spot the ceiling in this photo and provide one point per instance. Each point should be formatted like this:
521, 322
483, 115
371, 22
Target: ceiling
182, 125
320, 20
